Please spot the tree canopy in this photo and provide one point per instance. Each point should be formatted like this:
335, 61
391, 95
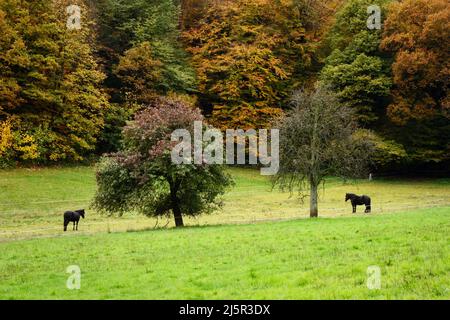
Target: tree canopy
142, 176
417, 33
248, 55
139, 37
318, 139
66, 94
51, 95
356, 67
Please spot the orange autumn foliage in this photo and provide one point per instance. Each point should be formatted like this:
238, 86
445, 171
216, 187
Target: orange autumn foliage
418, 34
248, 55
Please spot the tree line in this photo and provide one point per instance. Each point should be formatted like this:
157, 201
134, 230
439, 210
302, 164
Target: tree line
65, 95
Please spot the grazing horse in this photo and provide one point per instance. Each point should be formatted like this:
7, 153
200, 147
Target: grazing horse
73, 216
358, 201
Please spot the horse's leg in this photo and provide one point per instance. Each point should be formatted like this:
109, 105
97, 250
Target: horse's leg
354, 208
73, 226
77, 225
65, 225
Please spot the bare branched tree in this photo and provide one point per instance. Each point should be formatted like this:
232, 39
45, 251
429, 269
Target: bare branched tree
317, 140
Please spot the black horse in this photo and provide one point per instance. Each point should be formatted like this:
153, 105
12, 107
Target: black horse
358, 201
73, 216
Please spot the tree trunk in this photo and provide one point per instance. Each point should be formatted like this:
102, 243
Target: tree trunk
313, 207
176, 206
178, 216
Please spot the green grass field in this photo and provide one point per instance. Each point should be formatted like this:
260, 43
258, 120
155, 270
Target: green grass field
302, 259
226, 255
32, 201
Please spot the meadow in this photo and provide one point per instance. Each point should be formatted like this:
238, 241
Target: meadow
32, 201
302, 259
259, 246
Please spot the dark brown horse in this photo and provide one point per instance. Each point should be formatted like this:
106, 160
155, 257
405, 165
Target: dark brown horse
358, 201
73, 216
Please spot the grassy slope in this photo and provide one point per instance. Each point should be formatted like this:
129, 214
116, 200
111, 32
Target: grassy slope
323, 258
32, 201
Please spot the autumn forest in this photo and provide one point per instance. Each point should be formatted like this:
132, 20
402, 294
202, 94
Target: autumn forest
66, 93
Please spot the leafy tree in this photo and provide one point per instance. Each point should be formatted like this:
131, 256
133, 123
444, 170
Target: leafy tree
143, 178
247, 55
387, 154
51, 97
141, 73
115, 118
417, 33
12, 54
192, 11
357, 69
140, 38
317, 140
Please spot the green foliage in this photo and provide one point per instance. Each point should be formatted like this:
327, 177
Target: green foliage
125, 23
425, 141
115, 117
356, 68
142, 177
140, 37
405, 105
387, 153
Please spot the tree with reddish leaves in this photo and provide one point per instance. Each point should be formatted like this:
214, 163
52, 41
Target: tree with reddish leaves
143, 178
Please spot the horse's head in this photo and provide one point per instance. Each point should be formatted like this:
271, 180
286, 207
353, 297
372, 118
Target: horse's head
347, 196
81, 212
